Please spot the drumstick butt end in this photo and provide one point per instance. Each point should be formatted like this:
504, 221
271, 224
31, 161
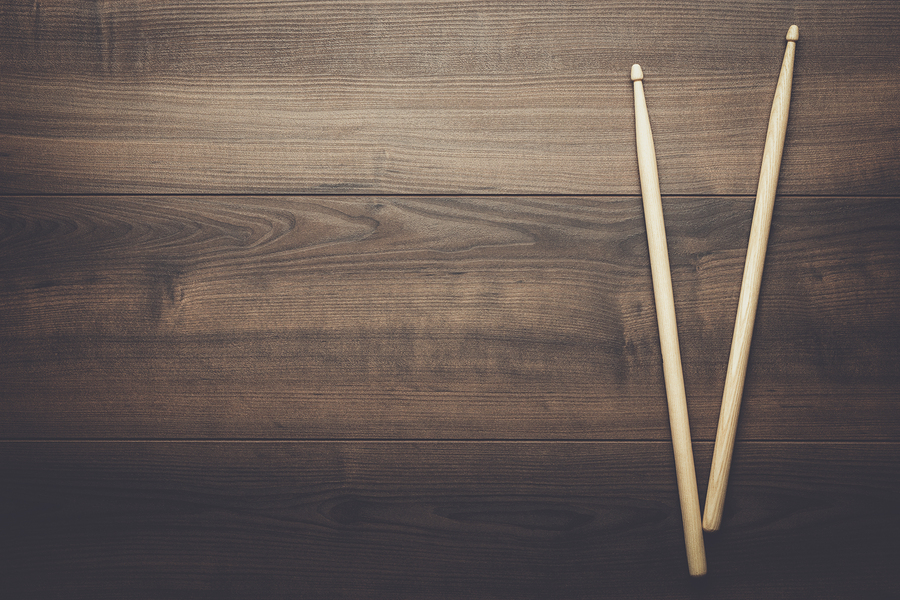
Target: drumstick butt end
636, 73
793, 34
711, 524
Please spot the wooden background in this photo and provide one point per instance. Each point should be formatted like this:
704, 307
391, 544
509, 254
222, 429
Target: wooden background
352, 299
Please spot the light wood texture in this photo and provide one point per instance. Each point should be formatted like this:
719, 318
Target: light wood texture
752, 280
398, 520
436, 96
668, 332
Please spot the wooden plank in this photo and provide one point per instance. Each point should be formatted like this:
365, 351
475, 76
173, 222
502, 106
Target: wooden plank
436, 520
421, 317
441, 96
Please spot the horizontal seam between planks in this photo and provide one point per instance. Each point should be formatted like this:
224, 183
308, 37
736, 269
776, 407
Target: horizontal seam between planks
407, 195
423, 440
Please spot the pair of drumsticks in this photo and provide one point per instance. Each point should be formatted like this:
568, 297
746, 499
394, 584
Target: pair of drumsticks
743, 326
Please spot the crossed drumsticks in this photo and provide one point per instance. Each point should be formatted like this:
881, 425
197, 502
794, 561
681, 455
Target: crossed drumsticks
746, 312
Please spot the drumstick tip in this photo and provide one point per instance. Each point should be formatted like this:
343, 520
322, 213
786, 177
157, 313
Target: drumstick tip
793, 33
636, 73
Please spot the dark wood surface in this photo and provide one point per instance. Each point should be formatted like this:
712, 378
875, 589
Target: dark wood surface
440, 519
353, 299
463, 317
445, 96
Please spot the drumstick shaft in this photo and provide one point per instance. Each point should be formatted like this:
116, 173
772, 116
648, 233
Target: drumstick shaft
668, 333
753, 268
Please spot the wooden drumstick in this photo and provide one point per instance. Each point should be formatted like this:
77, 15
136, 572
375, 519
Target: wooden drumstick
668, 333
753, 268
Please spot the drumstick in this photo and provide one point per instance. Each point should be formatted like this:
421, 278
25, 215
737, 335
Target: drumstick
668, 333
753, 267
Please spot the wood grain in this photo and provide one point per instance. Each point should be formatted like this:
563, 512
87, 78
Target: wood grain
664, 301
437, 520
438, 96
420, 317
750, 285
284, 312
